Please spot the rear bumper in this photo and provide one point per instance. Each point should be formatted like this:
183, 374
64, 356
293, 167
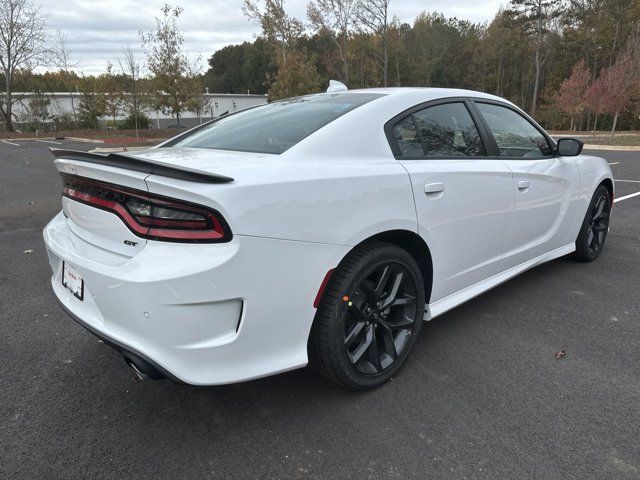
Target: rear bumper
199, 314
143, 363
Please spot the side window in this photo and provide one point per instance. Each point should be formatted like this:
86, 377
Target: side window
514, 134
407, 138
445, 130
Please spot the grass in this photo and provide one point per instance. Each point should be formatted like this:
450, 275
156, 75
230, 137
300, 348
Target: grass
115, 137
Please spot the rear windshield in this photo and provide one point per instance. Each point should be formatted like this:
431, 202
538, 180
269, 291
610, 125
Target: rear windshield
278, 126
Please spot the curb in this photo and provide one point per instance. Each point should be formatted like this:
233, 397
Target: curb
83, 140
31, 139
621, 148
116, 149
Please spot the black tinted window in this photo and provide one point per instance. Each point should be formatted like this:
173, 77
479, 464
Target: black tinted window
515, 135
278, 126
407, 137
445, 130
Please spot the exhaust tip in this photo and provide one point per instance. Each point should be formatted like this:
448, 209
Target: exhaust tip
142, 369
138, 375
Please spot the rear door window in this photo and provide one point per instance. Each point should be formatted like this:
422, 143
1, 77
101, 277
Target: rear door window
442, 131
407, 138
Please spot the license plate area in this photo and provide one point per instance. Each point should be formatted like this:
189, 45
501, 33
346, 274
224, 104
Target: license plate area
72, 280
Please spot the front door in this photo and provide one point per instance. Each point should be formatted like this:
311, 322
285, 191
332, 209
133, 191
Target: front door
546, 186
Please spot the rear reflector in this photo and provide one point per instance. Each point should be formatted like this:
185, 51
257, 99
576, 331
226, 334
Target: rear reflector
150, 216
323, 285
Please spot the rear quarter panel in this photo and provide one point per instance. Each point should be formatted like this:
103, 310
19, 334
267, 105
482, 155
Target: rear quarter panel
335, 201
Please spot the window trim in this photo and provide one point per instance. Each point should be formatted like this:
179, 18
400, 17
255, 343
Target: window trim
490, 145
494, 145
465, 101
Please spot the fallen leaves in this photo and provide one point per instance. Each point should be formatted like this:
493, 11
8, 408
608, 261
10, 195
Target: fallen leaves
561, 354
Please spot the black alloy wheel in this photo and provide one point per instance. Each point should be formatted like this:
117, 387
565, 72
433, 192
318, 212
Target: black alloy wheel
595, 226
599, 224
381, 312
370, 316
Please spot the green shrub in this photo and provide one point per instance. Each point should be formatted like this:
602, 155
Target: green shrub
64, 121
129, 123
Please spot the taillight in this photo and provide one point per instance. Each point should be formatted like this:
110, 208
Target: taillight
150, 216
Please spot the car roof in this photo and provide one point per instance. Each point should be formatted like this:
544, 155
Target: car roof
428, 93
350, 135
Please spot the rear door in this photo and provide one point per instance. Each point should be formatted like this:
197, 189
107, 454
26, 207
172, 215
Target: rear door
546, 186
464, 200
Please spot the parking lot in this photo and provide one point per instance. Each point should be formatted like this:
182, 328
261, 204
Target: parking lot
482, 395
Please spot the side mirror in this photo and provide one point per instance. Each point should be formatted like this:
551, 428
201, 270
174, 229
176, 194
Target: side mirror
569, 147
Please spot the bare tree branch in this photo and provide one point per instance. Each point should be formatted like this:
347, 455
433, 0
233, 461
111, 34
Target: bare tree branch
339, 17
23, 46
373, 15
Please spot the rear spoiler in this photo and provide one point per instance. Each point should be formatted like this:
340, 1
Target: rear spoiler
131, 162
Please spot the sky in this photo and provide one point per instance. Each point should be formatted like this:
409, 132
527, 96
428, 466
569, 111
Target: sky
96, 30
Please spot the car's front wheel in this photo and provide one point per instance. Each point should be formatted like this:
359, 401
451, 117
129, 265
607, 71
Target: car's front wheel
595, 226
370, 316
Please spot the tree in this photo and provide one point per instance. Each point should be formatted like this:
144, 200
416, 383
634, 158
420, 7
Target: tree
132, 100
596, 100
619, 84
280, 29
199, 105
37, 113
296, 71
298, 77
241, 68
439, 50
257, 67
396, 44
374, 15
338, 17
22, 46
93, 104
112, 85
66, 66
175, 81
571, 98
535, 16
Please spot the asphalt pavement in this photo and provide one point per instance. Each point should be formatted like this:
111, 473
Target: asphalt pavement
482, 395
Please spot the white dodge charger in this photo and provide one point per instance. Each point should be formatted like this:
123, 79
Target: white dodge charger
319, 229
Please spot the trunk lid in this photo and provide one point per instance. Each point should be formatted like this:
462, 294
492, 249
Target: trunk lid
226, 163
192, 174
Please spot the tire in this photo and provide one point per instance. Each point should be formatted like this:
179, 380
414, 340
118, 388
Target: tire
595, 226
369, 317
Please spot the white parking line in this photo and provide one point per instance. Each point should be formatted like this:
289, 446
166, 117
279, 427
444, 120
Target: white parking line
631, 181
60, 143
10, 143
619, 199
613, 163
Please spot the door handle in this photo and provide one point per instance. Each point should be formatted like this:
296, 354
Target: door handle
523, 184
431, 188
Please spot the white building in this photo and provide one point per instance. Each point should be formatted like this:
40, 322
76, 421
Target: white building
67, 103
